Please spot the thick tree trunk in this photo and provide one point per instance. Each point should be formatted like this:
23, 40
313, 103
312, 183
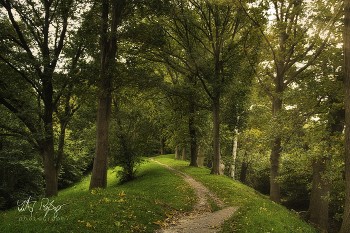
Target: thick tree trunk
200, 157
47, 144
216, 137
319, 200
243, 174
177, 153
275, 152
183, 154
50, 173
234, 154
99, 171
345, 227
193, 134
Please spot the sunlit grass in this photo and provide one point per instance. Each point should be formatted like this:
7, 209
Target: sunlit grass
135, 206
257, 214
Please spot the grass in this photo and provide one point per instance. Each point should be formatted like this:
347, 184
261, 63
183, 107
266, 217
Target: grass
138, 206
143, 204
256, 214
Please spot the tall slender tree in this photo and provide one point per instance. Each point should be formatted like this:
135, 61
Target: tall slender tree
108, 53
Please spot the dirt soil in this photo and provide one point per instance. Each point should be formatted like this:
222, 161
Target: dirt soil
201, 219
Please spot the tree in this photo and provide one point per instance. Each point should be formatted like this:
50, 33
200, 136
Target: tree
327, 132
34, 36
108, 52
346, 216
290, 51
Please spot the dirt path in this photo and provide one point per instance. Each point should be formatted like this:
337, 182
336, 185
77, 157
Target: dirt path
200, 219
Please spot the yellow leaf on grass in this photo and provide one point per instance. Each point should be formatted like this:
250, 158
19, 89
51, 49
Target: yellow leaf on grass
122, 194
158, 222
88, 225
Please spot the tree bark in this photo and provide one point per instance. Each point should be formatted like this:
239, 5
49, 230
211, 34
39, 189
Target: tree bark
177, 154
47, 145
99, 171
60, 148
345, 227
200, 157
183, 156
243, 174
50, 173
234, 154
275, 154
319, 200
162, 146
216, 136
193, 134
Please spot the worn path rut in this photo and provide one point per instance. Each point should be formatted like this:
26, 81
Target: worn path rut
200, 219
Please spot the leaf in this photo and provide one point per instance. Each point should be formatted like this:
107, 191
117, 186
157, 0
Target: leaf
122, 194
88, 225
118, 224
158, 222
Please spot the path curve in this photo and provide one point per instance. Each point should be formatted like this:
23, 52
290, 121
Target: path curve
200, 219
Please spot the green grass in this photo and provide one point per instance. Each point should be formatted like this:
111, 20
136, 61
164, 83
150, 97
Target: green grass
256, 214
143, 204
137, 206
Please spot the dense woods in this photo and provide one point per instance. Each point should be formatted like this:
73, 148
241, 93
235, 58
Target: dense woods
255, 90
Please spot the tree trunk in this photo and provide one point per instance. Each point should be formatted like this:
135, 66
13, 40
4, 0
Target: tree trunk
177, 154
243, 174
200, 157
47, 144
216, 137
183, 156
234, 154
319, 199
60, 148
345, 227
275, 152
99, 171
108, 44
193, 134
162, 146
50, 173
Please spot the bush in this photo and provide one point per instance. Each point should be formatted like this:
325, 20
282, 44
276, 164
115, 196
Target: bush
72, 170
20, 180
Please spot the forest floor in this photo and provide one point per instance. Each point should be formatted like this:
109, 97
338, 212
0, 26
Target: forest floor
201, 219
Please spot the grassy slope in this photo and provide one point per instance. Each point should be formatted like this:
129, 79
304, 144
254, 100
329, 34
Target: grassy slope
257, 214
138, 205
133, 207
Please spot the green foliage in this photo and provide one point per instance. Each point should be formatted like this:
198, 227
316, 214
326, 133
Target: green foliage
72, 170
133, 132
20, 173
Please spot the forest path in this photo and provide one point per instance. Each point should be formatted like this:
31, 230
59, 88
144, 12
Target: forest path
201, 219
